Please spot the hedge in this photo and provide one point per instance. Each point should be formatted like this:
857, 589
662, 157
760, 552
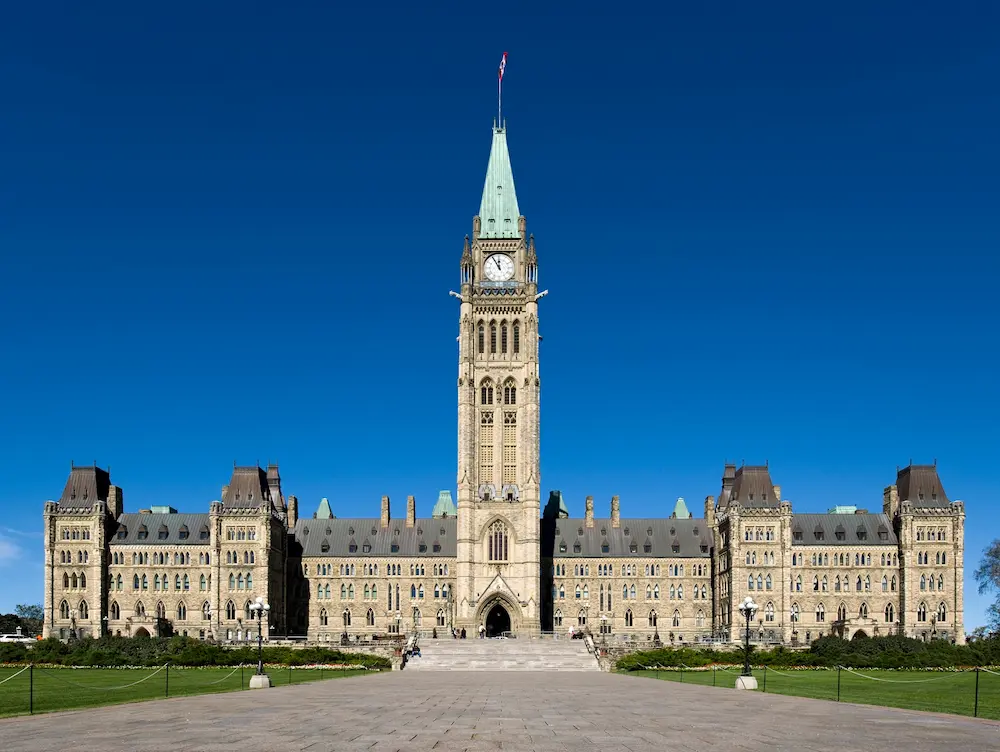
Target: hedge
178, 651
871, 652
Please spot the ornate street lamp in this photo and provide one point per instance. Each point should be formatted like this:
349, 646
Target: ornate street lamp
746, 680
260, 680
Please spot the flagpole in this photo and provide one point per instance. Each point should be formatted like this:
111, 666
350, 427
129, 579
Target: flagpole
499, 110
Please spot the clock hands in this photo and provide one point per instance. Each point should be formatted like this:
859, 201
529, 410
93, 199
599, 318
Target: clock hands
497, 259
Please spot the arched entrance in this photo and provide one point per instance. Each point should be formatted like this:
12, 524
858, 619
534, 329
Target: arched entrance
142, 632
497, 621
860, 635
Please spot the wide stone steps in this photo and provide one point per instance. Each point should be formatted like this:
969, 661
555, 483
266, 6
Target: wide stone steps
502, 655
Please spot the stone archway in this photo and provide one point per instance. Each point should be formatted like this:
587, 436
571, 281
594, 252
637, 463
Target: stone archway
142, 632
498, 613
859, 635
497, 620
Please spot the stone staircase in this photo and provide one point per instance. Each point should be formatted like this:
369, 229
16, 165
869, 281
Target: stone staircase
519, 654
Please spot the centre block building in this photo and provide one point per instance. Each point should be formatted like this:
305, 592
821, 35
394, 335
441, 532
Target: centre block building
497, 558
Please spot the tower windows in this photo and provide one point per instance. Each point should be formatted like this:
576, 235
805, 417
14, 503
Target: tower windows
493, 338
486, 447
486, 392
503, 337
482, 338
509, 447
517, 337
497, 542
509, 392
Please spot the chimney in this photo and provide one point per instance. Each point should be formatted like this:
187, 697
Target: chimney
589, 522
274, 486
116, 502
411, 511
225, 493
293, 511
385, 511
728, 476
777, 493
616, 518
890, 501
710, 510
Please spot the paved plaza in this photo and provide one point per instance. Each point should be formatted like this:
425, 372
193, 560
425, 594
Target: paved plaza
448, 711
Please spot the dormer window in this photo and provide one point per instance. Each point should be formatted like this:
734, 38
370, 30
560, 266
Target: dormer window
366, 547
562, 547
675, 548
627, 532
422, 548
183, 533
797, 535
649, 531
163, 533
604, 531
437, 548
704, 548
576, 548
647, 548
122, 532
605, 548
324, 547
143, 533
633, 548
394, 548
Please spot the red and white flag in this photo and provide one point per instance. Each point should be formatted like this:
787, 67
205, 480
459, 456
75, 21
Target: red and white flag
503, 64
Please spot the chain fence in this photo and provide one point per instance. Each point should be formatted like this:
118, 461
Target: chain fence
962, 691
41, 689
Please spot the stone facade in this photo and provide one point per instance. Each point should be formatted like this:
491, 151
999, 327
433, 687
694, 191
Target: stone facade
497, 559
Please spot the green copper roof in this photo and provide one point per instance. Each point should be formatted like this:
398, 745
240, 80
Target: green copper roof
324, 512
444, 507
680, 510
498, 210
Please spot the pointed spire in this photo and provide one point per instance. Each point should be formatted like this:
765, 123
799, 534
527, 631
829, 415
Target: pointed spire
498, 210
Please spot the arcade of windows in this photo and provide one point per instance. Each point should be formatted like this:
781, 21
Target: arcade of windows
509, 337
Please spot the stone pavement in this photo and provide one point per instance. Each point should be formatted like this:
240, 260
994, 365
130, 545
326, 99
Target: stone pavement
449, 711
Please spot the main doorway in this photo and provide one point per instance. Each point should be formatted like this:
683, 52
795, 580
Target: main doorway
497, 621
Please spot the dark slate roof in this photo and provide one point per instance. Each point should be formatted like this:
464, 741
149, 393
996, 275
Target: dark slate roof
171, 524
663, 534
753, 489
247, 489
339, 533
85, 486
921, 486
857, 529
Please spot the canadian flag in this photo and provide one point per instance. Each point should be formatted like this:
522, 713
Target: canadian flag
503, 65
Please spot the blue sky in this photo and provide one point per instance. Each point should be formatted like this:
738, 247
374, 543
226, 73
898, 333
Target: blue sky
769, 233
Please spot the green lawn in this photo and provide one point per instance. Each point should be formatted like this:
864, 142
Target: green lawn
917, 690
47, 689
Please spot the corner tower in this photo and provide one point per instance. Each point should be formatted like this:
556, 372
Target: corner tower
497, 581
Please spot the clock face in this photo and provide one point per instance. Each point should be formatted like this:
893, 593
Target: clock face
499, 267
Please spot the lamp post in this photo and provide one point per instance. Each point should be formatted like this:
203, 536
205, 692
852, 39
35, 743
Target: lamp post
746, 680
414, 621
258, 608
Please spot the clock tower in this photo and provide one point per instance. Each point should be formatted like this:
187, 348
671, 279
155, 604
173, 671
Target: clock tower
498, 565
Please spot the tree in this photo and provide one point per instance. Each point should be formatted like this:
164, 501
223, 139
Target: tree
988, 577
31, 617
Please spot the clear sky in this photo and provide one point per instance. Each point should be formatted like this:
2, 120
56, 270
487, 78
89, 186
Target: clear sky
228, 233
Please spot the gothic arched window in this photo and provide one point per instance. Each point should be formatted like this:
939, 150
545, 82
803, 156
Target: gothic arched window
497, 542
482, 338
509, 392
486, 392
517, 338
493, 337
503, 337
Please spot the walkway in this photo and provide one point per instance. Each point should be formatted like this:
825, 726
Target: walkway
450, 711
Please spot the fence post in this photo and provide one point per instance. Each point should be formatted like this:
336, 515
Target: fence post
764, 686
241, 676
289, 673
975, 710
838, 683
714, 669
31, 689
682, 675
166, 681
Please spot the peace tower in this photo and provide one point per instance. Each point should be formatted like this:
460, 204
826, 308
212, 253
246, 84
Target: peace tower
497, 563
